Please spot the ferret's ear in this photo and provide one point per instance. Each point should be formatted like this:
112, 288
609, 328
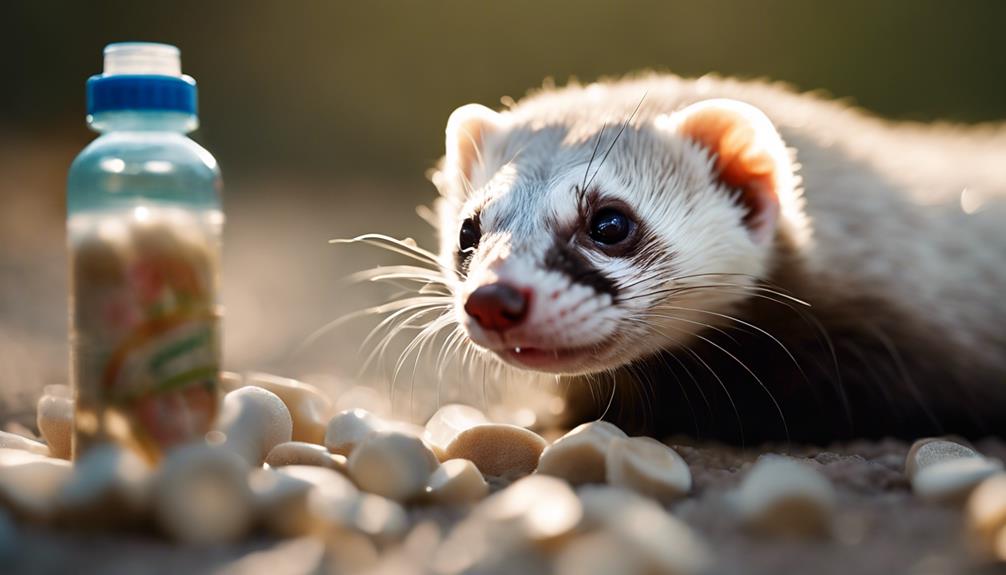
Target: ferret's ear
750, 157
467, 129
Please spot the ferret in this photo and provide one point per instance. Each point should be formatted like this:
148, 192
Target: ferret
732, 259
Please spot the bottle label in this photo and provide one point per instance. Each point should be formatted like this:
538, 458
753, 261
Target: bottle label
145, 326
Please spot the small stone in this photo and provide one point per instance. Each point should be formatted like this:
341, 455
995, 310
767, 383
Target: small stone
447, 423
201, 495
498, 449
392, 464
253, 421
110, 485
932, 450
579, 456
14, 441
349, 428
301, 453
229, 381
55, 421
456, 482
646, 533
30, 483
543, 508
282, 496
951, 480
308, 406
647, 467
986, 511
377, 517
599, 553
781, 496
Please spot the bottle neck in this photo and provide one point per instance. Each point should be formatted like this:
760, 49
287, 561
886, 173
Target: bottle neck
143, 121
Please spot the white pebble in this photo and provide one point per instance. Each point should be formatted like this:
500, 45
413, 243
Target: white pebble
301, 453
30, 483
377, 517
645, 531
110, 484
781, 496
14, 441
447, 423
599, 553
281, 496
579, 456
349, 428
929, 451
498, 449
308, 406
392, 464
201, 495
55, 422
951, 480
253, 421
648, 467
456, 482
543, 508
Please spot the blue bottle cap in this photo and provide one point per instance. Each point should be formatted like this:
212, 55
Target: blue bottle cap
141, 76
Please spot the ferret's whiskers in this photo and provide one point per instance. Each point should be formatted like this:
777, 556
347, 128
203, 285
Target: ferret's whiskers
614, 141
406, 247
750, 325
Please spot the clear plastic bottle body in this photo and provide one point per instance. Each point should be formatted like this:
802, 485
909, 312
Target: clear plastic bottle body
143, 228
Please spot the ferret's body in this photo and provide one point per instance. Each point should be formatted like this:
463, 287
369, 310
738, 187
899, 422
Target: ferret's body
898, 244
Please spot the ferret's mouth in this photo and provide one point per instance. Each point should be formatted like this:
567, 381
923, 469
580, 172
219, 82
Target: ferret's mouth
554, 360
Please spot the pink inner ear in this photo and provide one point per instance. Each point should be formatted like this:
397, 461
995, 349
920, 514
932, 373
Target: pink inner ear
743, 162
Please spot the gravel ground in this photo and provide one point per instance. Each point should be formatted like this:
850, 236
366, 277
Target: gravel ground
280, 279
879, 528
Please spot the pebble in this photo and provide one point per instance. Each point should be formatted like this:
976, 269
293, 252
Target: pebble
377, 517
10, 440
498, 449
392, 464
456, 482
986, 514
541, 507
301, 499
30, 483
282, 496
579, 456
599, 553
308, 406
55, 422
951, 480
201, 495
648, 467
645, 532
110, 484
254, 421
349, 428
781, 496
447, 422
932, 450
302, 453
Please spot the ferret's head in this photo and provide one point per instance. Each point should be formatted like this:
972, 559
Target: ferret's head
582, 230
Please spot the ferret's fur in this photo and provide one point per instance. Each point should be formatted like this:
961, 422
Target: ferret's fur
905, 333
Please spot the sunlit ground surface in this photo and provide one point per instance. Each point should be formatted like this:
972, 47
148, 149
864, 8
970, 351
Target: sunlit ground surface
282, 282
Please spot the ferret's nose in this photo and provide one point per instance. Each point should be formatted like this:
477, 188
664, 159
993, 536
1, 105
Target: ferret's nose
498, 306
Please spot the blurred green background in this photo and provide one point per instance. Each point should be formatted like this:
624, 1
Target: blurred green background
325, 116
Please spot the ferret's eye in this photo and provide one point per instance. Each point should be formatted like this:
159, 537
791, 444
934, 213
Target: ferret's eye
609, 226
470, 235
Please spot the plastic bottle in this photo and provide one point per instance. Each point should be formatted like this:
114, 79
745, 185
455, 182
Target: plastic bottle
143, 227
